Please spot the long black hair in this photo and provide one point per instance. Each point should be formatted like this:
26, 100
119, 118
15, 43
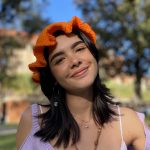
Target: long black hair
58, 121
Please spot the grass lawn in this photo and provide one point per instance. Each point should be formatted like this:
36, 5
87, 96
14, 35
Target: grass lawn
7, 142
125, 92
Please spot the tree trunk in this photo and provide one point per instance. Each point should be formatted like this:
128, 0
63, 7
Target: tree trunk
3, 113
138, 78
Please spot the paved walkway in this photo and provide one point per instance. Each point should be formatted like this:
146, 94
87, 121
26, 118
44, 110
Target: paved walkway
4, 130
7, 131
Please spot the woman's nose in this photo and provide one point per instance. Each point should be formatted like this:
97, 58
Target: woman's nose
75, 61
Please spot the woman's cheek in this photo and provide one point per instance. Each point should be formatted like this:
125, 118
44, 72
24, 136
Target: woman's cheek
59, 72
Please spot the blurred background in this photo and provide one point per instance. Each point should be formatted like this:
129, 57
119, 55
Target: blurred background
123, 40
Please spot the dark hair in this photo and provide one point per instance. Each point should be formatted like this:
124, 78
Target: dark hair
58, 121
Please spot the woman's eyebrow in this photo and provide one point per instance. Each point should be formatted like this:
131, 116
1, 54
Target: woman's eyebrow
76, 43
56, 55
62, 52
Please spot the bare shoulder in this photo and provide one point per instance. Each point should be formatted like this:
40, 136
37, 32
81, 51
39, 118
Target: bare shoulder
130, 117
24, 127
129, 114
133, 128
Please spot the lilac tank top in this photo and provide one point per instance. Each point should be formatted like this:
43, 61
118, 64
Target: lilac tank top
34, 143
31, 142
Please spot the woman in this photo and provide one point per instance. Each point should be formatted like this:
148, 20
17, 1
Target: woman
81, 114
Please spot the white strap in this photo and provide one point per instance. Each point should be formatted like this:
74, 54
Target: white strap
41, 111
120, 122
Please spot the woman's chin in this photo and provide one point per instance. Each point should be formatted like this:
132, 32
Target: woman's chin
82, 86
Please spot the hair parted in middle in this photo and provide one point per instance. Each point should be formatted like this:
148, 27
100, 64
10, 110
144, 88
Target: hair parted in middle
58, 121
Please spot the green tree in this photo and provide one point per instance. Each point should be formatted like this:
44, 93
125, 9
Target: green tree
24, 14
122, 25
7, 44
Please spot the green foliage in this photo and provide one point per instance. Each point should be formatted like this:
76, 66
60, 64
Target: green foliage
25, 13
9, 42
10, 8
6, 46
28, 16
34, 27
20, 84
122, 26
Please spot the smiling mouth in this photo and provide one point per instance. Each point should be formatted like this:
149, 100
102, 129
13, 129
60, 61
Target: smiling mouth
81, 73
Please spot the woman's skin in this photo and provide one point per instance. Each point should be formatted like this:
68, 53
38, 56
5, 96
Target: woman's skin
75, 69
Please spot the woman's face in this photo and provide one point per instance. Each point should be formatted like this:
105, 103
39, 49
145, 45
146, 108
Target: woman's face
72, 63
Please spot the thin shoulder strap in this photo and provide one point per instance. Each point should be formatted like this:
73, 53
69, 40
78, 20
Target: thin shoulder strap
41, 111
35, 123
120, 123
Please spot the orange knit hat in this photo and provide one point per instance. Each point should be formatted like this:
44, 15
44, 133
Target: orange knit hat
46, 38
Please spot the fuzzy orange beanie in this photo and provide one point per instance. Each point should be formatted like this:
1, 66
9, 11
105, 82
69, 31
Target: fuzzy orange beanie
46, 38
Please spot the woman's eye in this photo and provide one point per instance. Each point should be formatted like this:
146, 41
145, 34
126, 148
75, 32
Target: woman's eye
80, 49
58, 61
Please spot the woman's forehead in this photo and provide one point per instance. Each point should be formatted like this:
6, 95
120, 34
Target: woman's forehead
68, 39
65, 41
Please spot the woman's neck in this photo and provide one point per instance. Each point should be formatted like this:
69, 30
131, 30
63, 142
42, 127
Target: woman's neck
80, 104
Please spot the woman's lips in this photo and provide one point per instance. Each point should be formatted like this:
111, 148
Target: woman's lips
80, 73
